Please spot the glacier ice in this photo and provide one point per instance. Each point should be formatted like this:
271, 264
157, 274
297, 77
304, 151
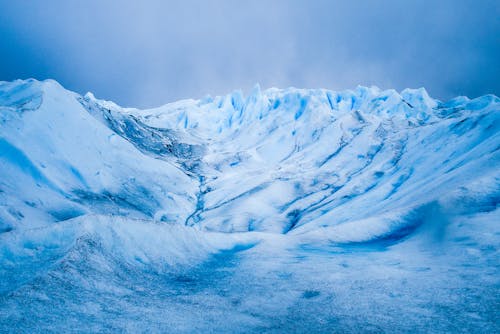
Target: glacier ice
289, 210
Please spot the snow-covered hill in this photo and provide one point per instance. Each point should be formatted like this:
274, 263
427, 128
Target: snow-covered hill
58, 162
103, 199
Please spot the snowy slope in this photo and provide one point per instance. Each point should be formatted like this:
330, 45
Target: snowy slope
59, 162
301, 160
287, 210
280, 160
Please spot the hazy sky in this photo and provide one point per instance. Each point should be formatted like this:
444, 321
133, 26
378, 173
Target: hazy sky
146, 53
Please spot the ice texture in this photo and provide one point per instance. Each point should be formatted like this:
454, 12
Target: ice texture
288, 210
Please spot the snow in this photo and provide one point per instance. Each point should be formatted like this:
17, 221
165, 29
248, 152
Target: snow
63, 160
332, 156
288, 210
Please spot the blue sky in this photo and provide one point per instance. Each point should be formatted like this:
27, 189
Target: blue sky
146, 53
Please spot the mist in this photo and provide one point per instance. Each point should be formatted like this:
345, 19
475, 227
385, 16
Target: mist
148, 53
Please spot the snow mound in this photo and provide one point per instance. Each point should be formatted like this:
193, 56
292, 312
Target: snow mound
282, 161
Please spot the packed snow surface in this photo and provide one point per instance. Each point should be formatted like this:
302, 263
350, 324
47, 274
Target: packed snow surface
284, 211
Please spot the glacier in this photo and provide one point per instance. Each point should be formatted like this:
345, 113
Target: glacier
287, 210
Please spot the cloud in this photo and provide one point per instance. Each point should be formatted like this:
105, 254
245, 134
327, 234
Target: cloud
148, 53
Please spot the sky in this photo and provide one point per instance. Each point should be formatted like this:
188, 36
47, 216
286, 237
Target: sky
147, 53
